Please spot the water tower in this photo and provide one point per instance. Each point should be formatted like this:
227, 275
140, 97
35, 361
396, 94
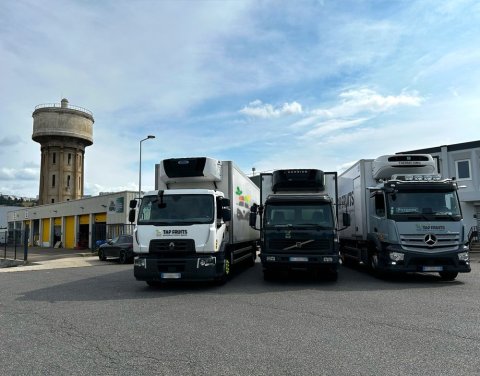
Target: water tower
63, 131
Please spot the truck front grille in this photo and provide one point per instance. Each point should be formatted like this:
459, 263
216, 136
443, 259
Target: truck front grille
172, 248
419, 242
299, 245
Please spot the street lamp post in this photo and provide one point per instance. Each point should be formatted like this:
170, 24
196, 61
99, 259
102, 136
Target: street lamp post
140, 167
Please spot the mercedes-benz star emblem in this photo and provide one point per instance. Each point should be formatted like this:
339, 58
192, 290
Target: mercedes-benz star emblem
171, 246
430, 240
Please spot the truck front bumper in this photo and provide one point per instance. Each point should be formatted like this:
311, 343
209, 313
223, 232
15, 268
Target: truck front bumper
282, 261
457, 261
201, 267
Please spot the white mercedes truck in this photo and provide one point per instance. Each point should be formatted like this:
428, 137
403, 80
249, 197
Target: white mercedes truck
401, 216
185, 229
297, 222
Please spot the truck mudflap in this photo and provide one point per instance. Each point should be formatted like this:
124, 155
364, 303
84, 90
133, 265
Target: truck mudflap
390, 260
276, 261
201, 267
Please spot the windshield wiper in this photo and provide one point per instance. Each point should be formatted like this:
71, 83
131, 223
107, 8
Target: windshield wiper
447, 215
316, 225
417, 216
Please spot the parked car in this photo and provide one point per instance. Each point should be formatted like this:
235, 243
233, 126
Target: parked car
120, 247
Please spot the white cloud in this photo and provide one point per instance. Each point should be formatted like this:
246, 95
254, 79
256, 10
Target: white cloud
356, 101
19, 174
266, 111
332, 126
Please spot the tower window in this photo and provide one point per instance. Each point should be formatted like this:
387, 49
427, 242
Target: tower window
68, 181
53, 200
53, 180
54, 158
69, 159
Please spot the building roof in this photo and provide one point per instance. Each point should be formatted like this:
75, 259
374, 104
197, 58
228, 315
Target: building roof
452, 147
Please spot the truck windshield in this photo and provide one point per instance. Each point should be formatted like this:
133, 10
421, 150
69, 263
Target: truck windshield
176, 210
314, 214
431, 206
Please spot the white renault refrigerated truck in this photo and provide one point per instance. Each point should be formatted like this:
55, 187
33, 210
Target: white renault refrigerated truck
195, 225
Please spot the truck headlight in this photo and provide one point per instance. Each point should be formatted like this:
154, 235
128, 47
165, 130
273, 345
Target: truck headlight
463, 256
396, 256
140, 262
206, 261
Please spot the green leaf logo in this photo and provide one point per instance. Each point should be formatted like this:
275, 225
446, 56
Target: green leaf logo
239, 191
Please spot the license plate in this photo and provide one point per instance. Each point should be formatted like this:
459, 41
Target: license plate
299, 259
432, 268
171, 275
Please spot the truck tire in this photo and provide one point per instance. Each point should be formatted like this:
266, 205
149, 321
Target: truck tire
448, 276
373, 264
227, 270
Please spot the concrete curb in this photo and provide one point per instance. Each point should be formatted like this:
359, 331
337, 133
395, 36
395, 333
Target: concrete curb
9, 263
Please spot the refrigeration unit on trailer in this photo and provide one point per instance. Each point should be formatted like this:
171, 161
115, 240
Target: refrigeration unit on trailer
297, 222
194, 226
401, 216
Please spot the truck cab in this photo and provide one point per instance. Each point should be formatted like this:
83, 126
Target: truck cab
405, 217
185, 229
297, 223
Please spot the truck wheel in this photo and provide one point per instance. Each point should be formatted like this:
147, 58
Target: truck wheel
227, 269
374, 267
448, 276
101, 255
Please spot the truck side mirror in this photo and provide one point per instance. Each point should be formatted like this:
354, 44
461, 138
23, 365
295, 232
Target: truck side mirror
226, 214
346, 219
133, 204
225, 202
131, 215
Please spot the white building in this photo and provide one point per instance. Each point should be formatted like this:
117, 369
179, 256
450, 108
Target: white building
462, 162
75, 223
3, 215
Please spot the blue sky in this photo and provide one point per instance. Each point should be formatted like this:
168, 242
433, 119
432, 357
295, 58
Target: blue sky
267, 84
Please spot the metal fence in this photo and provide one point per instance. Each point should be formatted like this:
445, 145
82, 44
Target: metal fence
14, 244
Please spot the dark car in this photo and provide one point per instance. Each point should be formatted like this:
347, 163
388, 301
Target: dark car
120, 247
